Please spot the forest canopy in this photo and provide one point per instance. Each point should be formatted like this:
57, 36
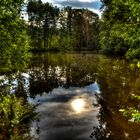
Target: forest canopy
52, 28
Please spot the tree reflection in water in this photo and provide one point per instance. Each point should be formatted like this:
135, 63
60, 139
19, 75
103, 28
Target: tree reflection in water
57, 70
118, 81
64, 85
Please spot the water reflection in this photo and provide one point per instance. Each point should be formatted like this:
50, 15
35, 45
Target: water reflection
78, 96
67, 114
78, 105
90, 76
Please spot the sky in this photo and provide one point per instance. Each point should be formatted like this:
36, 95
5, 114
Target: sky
93, 5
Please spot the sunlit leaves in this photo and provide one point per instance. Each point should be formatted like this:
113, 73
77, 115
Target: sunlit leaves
132, 114
121, 28
13, 113
138, 64
13, 37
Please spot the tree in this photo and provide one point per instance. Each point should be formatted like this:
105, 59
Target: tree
80, 28
42, 23
64, 29
13, 37
35, 11
120, 27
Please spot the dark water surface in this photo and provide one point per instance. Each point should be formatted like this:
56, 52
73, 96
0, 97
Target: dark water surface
78, 96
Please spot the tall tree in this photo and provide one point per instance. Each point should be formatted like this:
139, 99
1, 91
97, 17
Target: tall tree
64, 29
42, 21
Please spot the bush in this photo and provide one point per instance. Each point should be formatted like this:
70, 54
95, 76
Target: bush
13, 112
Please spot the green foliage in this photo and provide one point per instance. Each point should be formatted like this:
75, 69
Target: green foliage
120, 28
138, 64
54, 43
132, 114
55, 29
13, 112
42, 20
14, 42
67, 43
14, 46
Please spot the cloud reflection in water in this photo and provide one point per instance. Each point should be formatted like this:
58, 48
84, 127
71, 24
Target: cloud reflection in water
67, 114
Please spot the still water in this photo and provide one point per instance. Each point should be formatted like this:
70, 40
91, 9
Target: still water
78, 96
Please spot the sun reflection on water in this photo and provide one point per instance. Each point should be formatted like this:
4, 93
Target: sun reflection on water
78, 105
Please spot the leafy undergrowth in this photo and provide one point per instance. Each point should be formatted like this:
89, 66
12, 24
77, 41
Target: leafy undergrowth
15, 115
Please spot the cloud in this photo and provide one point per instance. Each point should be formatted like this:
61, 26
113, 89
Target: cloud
79, 4
93, 5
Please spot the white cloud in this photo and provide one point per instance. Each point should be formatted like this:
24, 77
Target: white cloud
93, 5
87, 0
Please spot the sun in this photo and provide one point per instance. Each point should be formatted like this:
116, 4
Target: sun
78, 105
